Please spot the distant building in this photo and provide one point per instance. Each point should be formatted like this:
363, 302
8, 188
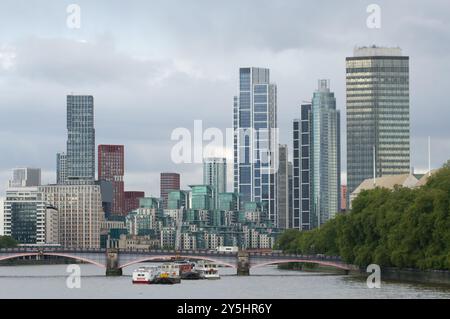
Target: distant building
25, 177
80, 140
178, 199
201, 197
2, 217
28, 219
283, 188
302, 170
111, 167
378, 117
256, 139
215, 175
131, 200
128, 242
107, 195
388, 181
317, 164
168, 182
80, 213
61, 168
228, 202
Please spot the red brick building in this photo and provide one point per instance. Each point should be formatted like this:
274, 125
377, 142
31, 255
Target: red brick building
168, 182
131, 201
343, 197
111, 168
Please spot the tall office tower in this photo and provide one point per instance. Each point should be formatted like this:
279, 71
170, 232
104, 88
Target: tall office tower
326, 154
25, 177
131, 200
316, 176
378, 128
111, 168
2, 216
283, 187
215, 175
61, 168
80, 213
301, 173
168, 182
291, 194
80, 139
27, 217
256, 139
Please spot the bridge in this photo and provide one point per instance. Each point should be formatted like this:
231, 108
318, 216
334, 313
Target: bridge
114, 260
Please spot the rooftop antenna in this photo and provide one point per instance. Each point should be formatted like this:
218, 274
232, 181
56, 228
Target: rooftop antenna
429, 156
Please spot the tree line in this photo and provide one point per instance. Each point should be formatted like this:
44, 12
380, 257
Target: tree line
404, 228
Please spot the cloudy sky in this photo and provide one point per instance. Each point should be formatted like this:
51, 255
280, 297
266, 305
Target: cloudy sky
153, 66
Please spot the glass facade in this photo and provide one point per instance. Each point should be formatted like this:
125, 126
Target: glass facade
378, 123
215, 175
255, 141
81, 139
61, 168
201, 197
326, 160
25, 215
316, 166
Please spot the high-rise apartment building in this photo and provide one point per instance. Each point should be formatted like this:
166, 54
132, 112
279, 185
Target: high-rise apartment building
215, 175
283, 187
80, 139
256, 139
25, 177
111, 168
80, 213
378, 122
317, 160
302, 167
2, 216
168, 182
61, 168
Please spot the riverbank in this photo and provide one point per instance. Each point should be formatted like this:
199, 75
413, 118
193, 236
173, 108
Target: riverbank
439, 277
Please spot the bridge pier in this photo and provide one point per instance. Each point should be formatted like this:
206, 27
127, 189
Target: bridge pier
243, 264
112, 262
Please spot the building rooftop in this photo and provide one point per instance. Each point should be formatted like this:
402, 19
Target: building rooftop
389, 181
376, 51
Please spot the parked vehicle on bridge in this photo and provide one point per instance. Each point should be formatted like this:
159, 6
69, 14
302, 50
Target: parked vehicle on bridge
227, 249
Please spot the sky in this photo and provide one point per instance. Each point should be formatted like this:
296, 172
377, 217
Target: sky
154, 66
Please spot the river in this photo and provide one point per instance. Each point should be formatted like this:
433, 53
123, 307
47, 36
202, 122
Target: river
49, 281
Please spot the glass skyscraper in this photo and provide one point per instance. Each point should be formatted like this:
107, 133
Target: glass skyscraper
80, 140
378, 128
215, 175
316, 196
256, 140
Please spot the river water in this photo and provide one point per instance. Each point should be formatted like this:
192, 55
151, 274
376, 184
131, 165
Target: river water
49, 281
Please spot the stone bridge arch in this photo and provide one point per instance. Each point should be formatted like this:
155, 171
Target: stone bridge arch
65, 255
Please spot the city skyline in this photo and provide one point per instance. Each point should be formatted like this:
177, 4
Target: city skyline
293, 77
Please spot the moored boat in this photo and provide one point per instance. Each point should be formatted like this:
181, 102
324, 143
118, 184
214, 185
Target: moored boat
207, 270
144, 275
168, 273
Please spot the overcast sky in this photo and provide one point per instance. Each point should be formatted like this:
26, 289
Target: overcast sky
153, 66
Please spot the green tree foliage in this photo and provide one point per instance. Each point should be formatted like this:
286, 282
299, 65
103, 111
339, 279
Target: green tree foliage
7, 242
405, 228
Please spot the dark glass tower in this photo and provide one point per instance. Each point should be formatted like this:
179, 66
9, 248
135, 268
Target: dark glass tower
80, 139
